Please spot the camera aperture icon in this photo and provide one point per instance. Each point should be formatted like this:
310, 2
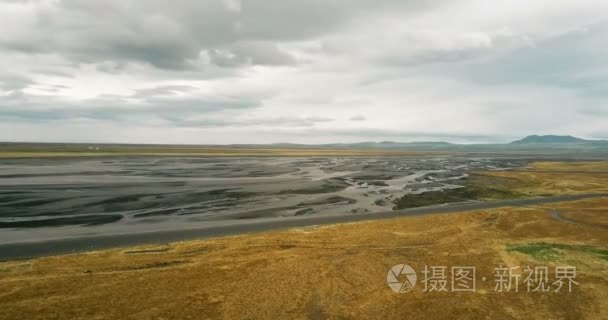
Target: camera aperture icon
401, 278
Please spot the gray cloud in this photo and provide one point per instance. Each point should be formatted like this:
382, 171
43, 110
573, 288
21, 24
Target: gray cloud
575, 60
357, 118
35, 108
303, 69
248, 122
202, 112
171, 35
254, 53
10, 82
166, 90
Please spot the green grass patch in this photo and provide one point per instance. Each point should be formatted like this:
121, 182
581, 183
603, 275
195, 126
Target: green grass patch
555, 251
475, 187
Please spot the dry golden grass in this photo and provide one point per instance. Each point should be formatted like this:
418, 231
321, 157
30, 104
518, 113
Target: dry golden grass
332, 272
584, 166
560, 178
324, 272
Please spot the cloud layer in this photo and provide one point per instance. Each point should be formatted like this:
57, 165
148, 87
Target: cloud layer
306, 71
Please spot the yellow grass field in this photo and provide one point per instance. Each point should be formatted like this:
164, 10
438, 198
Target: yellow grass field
338, 271
559, 178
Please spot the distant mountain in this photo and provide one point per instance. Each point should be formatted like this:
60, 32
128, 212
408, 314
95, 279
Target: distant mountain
371, 145
535, 139
399, 145
533, 143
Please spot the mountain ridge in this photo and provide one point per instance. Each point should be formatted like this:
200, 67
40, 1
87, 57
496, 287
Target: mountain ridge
535, 139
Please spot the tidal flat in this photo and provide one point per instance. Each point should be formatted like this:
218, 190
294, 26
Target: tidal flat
52, 198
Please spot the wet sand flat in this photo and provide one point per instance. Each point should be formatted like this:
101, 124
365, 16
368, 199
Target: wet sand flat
61, 198
62, 245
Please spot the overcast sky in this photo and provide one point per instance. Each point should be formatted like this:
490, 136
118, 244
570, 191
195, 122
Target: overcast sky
304, 71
